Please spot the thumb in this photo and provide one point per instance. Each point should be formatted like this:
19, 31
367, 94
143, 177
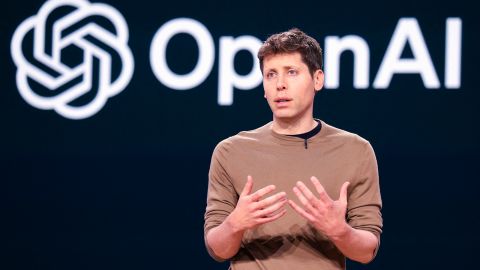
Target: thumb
343, 192
248, 187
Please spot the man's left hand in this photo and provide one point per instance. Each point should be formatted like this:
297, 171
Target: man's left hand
325, 214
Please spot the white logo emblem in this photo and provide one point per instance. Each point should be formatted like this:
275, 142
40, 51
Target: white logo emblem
64, 84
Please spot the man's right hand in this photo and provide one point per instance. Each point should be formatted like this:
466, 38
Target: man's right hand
252, 210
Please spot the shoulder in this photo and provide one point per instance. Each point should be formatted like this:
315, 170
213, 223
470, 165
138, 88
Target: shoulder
243, 139
344, 137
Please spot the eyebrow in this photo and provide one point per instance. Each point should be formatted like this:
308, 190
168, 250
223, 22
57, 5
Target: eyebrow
284, 67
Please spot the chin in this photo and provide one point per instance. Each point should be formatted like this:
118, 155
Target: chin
283, 116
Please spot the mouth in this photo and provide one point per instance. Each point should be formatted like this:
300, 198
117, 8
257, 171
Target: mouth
282, 100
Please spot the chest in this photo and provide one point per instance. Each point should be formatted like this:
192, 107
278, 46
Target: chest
284, 169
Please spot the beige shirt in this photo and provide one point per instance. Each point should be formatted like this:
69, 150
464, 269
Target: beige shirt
334, 156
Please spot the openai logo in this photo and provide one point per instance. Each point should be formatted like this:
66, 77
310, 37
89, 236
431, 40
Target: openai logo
71, 57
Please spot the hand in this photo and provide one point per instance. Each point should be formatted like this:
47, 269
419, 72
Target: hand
252, 210
325, 214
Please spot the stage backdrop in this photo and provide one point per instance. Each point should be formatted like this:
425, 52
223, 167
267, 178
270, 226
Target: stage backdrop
110, 111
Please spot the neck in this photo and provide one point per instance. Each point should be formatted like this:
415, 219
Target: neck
293, 127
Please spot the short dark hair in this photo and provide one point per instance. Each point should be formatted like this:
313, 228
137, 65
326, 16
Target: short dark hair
293, 40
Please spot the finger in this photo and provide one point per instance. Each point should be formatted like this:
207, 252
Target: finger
271, 218
343, 192
307, 193
301, 211
271, 200
261, 192
306, 203
248, 187
322, 194
271, 209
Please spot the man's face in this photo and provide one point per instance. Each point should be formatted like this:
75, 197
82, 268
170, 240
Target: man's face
289, 86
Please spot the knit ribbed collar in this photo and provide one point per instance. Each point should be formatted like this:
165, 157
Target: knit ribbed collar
293, 140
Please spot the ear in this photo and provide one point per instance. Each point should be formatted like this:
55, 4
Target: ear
264, 94
318, 78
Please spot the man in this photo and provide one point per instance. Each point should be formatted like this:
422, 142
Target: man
295, 193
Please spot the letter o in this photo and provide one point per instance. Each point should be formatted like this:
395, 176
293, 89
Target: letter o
158, 49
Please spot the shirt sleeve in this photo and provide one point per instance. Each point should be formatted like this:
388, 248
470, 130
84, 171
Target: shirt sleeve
221, 196
364, 200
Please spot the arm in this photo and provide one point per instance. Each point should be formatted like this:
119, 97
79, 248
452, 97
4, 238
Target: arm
250, 211
358, 245
328, 216
225, 239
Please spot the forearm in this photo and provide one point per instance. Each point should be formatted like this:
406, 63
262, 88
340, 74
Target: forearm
251, 210
355, 244
225, 239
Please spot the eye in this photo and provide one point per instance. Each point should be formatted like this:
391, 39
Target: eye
271, 75
292, 72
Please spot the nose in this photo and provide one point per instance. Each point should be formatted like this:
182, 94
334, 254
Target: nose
281, 84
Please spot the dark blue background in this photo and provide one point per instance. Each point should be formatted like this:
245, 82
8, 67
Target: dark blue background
126, 188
